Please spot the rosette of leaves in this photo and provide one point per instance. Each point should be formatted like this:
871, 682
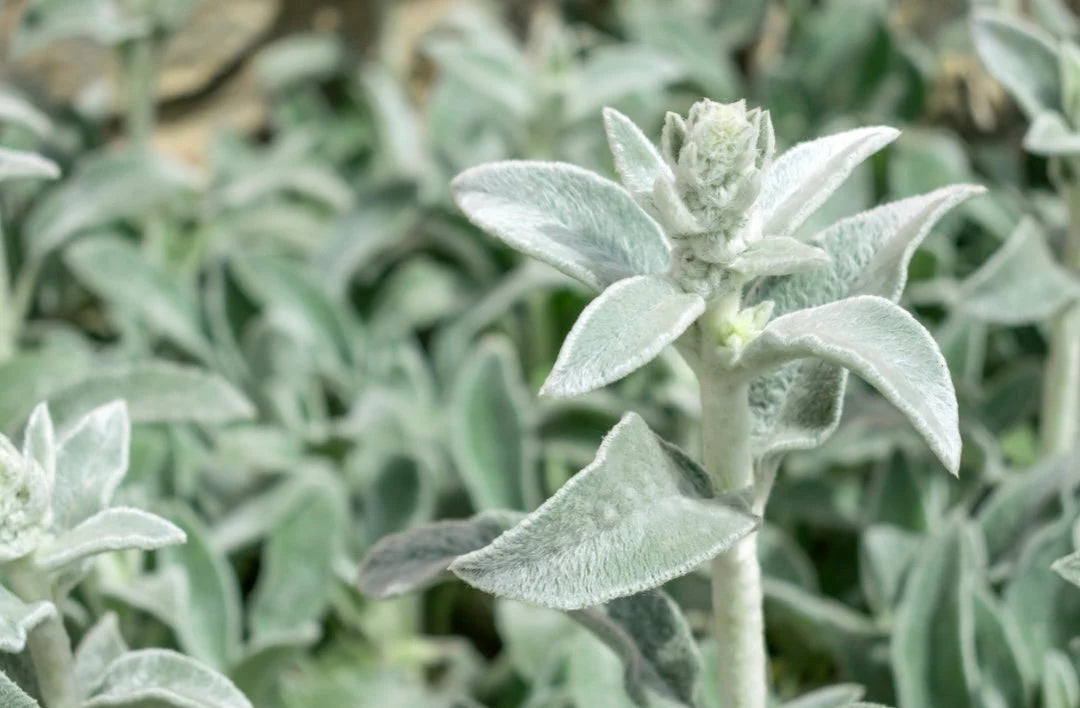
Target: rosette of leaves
56, 495
696, 249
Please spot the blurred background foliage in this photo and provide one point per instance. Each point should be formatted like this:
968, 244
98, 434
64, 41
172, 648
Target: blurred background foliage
254, 217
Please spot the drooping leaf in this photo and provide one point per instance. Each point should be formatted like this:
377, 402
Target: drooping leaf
155, 392
1020, 56
1021, 283
101, 646
637, 160
411, 560
885, 346
779, 255
648, 632
493, 439
19, 164
641, 514
798, 405
582, 224
115, 529
801, 179
297, 574
623, 329
114, 269
160, 676
17, 618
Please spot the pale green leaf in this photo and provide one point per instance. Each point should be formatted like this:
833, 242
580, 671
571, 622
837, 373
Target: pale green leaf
117, 271
1020, 56
1060, 685
624, 328
1049, 135
163, 677
648, 632
839, 696
11, 696
91, 460
100, 646
493, 441
801, 179
115, 529
885, 554
411, 560
1045, 606
39, 441
209, 623
1001, 677
18, 164
609, 74
933, 644
156, 392
44, 22
296, 575
14, 108
1068, 567
779, 255
582, 224
17, 618
641, 514
1069, 71
637, 160
1020, 284
798, 405
106, 188
884, 345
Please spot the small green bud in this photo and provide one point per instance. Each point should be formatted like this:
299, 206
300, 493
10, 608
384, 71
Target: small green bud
745, 325
25, 502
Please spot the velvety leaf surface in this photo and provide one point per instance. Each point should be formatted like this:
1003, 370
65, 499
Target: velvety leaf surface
158, 675
884, 345
802, 178
411, 560
91, 461
623, 329
115, 529
641, 514
650, 635
11, 696
584, 225
101, 646
17, 618
779, 255
637, 161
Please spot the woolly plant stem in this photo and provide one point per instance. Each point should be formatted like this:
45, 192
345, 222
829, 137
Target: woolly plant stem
736, 573
49, 644
1060, 415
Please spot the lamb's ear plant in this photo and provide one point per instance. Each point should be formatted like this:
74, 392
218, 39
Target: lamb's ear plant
1043, 76
57, 514
699, 248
